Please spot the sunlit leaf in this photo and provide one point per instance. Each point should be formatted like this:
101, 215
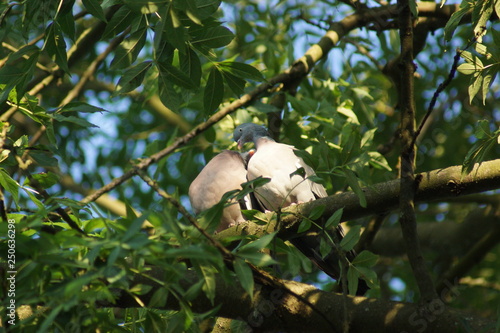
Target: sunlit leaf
9, 185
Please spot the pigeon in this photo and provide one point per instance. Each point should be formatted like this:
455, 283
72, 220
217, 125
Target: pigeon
278, 162
288, 186
225, 172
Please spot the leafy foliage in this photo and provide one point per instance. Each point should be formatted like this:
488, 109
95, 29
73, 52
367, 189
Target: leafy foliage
90, 89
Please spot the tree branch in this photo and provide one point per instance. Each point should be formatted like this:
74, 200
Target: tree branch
448, 238
436, 185
273, 310
475, 254
408, 219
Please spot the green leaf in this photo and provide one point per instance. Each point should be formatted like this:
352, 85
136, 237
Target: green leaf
365, 259
190, 64
129, 49
207, 8
475, 86
316, 212
214, 37
94, 8
325, 247
56, 46
72, 119
334, 220
487, 80
80, 107
67, 24
10, 185
43, 158
49, 319
241, 70
133, 228
455, 19
351, 238
208, 276
45, 179
304, 226
413, 8
352, 180
467, 69
119, 22
245, 276
159, 298
481, 148
214, 91
257, 258
175, 75
258, 244
144, 6
133, 77
174, 32
299, 172
485, 11
482, 130
141, 289
352, 280
17, 73
168, 95
349, 113
236, 84
190, 7
367, 274
378, 161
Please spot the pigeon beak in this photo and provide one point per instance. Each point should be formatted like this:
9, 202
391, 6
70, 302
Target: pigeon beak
240, 145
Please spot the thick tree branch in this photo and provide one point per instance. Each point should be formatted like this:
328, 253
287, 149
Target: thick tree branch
448, 238
274, 310
436, 185
475, 254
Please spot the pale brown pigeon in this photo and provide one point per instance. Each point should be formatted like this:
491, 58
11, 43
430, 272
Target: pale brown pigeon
225, 172
287, 186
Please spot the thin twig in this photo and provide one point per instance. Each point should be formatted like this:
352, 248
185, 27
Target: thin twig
443, 86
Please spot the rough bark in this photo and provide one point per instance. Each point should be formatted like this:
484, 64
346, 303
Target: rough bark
436, 185
276, 310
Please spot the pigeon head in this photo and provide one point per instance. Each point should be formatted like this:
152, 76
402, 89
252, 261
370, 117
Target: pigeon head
249, 132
